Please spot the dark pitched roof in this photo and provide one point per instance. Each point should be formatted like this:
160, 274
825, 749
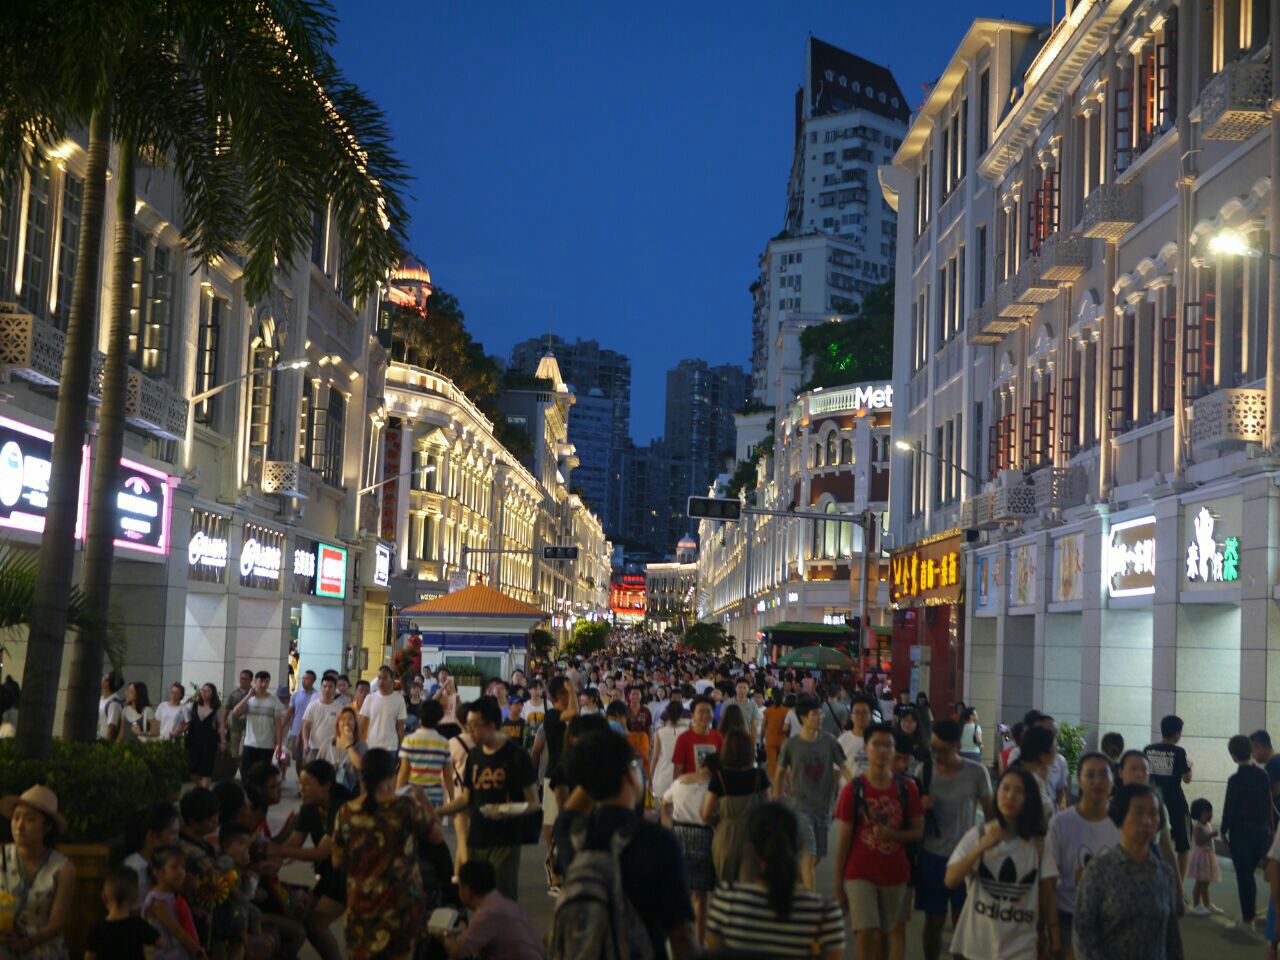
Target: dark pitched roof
840, 81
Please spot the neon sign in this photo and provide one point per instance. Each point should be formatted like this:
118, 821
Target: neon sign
1131, 557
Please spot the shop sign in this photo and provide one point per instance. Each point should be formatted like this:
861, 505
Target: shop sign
390, 489
1068, 568
261, 556
1024, 564
1211, 542
929, 572
207, 551
990, 574
331, 571
381, 565
1131, 557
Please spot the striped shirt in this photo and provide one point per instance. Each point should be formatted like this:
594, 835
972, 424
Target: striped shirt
741, 915
427, 754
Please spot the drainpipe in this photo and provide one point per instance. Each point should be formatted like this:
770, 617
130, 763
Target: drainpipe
1104, 382
1186, 179
1273, 243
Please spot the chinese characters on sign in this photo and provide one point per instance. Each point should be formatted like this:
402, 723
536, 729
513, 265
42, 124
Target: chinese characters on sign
927, 573
1131, 557
1210, 558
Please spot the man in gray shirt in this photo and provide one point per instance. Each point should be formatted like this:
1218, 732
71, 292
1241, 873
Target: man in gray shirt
808, 764
953, 789
835, 712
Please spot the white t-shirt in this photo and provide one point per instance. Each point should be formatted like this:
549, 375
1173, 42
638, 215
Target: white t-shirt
702, 685
323, 718
170, 716
108, 715
686, 801
1072, 844
131, 716
383, 710
999, 915
792, 724
260, 721
855, 751
1274, 852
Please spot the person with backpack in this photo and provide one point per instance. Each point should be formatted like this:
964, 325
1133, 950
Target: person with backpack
624, 877
952, 788
879, 814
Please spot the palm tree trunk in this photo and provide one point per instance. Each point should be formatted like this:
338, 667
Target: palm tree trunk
47, 632
89, 644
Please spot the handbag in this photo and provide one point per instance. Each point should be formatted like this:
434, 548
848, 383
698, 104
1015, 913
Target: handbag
528, 827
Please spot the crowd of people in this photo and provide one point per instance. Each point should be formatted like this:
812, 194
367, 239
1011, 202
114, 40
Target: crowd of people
677, 802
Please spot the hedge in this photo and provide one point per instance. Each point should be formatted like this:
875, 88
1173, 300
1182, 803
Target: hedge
99, 785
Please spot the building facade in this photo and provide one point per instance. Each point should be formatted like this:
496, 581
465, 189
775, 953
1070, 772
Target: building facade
1083, 299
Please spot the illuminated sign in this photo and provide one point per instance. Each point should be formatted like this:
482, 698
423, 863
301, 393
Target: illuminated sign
304, 563
1068, 568
331, 571
261, 556
862, 397
1024, 564
928, 573
1207, 559
207, 550
381, 565
1131, 557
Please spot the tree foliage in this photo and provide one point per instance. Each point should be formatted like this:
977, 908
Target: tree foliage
706, 637
744, 475
542, 644
589, 637
852, 350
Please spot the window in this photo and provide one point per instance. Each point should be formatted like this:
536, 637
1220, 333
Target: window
35, 257
984, 112
152, 309
213, 311
980, 267
846, 451
8, 233
319, 237
262, 393
334, 430
833, 451
68, 246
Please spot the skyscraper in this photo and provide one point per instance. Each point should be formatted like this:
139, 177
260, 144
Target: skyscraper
591, 433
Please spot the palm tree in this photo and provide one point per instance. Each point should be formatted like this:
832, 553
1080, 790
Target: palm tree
244, 99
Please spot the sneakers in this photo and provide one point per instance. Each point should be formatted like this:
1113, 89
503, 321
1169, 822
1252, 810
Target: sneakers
1214, 908
553, 890
1198, 911
1245, 926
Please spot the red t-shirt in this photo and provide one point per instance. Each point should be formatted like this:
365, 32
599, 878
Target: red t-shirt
882, 862
690, 746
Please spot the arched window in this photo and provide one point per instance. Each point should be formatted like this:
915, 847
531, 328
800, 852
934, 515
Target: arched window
831, 535
833, 452
846, 451
817, 454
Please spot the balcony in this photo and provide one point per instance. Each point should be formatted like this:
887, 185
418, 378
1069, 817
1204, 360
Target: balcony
146, 404
1013, 499
30, 348
1227, 418
1057, 488
975, 513
1030, 286
1111, 210
1236, 103
285, 478
1064, 258
1009, 305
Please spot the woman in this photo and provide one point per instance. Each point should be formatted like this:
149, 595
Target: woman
373, 840
1038, 750
775, 735
322, 797
682, 805
926, 714
908, 724
138, 715
737, 787
1000, 862
40, 879
664, 747
172, 716
775, 914
346, 750
146, 832
1125, 899
731, 718
448, 697
206, 735
791, 724
971, 735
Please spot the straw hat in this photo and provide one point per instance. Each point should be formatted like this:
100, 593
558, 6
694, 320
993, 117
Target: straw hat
39, 798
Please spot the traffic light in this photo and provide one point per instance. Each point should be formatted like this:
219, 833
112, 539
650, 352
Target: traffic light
715, 508
559, 553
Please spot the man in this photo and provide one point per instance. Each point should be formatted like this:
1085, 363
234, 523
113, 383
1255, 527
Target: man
1135, 771
513, 724
551, 740
853, 742
1247, 820
1269, 760
236, 728
110, 707
343, 695
954, 788
320, 720
264, 723
878, 815
425, 757
904, 704
297, 712
835, 713
750, 712
497, 772
498, 928
807, 764
704, 682
603, 805
1058, 776
698, 741
361, 693
442, 676
1170, 769
383, 714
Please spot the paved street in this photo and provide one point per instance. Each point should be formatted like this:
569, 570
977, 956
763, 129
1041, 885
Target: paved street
1208, 938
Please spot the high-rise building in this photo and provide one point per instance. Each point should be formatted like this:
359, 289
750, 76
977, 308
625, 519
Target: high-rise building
839, 237
591, 433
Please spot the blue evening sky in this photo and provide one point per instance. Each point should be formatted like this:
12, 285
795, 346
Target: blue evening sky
614, 170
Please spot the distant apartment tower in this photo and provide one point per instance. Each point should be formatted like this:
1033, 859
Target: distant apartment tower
839, 237
591, 432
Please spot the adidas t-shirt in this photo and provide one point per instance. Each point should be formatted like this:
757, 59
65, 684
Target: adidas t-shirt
1072, 844
999, 915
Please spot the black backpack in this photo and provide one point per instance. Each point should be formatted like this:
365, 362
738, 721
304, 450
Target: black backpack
860, 805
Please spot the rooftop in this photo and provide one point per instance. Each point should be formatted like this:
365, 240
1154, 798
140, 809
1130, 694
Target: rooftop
474, 601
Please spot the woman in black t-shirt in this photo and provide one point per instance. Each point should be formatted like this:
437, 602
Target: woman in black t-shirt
737, 787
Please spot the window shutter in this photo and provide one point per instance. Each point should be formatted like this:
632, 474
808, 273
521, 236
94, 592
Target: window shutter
1122, 128
1070, 423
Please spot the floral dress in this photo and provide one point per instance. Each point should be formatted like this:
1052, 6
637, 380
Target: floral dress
33, 900
386, 904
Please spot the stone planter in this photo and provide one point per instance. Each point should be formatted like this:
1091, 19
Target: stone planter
90, 860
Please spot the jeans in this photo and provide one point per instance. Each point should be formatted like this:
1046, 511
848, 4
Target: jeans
1248, 845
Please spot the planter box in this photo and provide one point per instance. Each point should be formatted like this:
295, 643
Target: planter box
90, 860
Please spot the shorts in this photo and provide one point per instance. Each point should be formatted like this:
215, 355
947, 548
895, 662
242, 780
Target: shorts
933, 897
814, 826
294, 745
1178, 828
550, 808
873, 907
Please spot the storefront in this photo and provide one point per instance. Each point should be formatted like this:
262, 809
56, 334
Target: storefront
318, 588
375, 613
926, 583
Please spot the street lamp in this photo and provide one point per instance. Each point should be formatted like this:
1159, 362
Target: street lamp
429, 468
1232, 243
298, 364
909, 447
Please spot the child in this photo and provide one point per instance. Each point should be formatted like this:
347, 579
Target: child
122, 935
167, 910
1203, 866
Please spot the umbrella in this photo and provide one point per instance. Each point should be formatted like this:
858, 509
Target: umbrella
816, 658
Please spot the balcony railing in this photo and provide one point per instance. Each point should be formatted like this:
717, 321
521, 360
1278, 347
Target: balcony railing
1030, 286
1008, 303
1227, 418
1057, 488
1236, 103
1013, 499
1064, 258
285, 478
1112, 210
146, 404
975, 512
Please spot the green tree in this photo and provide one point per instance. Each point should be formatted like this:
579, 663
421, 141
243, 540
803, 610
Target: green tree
589, 637
542, 644
244, 100
706, 637
852, 350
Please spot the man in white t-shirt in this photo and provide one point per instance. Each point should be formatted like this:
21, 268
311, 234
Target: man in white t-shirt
320, 720
264, 723
109, 707
383, 715
852, 742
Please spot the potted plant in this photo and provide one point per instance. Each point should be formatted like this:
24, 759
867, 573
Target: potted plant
468, 680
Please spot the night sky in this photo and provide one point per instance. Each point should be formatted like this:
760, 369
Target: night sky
609, 170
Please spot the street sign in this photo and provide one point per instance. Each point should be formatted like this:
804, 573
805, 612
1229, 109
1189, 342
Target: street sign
715, 508
559, 553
